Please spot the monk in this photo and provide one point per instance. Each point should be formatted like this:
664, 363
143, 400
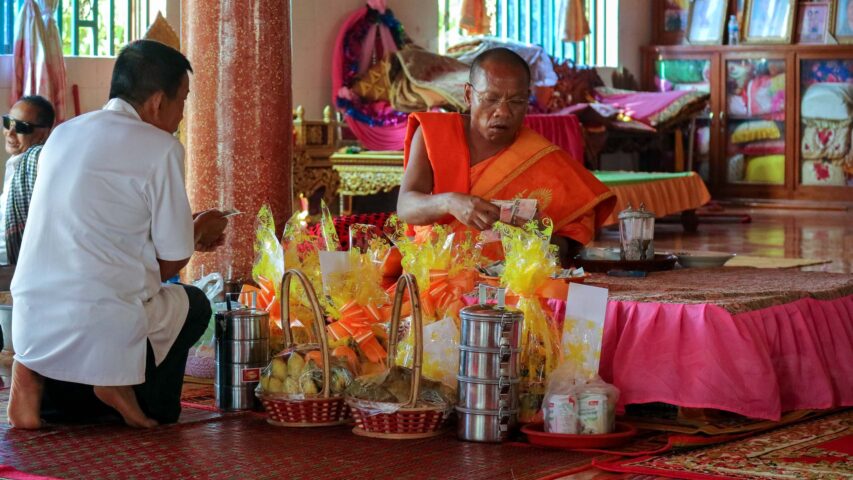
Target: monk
456, 164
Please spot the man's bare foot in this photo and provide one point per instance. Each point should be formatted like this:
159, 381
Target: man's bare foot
123, 399
25, 398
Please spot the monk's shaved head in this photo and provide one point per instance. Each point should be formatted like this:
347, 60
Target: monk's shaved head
498, 55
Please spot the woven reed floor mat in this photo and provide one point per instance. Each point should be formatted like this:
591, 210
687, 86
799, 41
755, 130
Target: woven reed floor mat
246, 447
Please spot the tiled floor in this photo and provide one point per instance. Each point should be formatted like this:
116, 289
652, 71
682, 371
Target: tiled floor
772, 233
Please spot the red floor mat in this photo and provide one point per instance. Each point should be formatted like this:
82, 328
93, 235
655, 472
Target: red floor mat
245, 446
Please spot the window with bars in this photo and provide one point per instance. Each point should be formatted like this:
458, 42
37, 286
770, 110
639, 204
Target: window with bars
541, 22
88, 27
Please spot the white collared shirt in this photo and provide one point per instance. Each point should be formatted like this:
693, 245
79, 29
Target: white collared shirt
110, 200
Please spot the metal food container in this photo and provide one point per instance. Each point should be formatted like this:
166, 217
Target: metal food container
242, 351
485, 425
490, 326
488, 394
243, 324
488, 363
233, 398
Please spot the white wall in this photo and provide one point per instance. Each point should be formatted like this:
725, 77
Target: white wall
90, 74
635, 31
315, 25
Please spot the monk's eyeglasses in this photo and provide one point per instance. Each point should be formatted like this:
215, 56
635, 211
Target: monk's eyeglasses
24, 128
491, 101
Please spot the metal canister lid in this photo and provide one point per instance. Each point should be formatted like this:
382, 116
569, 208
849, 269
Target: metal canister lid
491, 313
493, 381
497, 413
245, 312
502, 350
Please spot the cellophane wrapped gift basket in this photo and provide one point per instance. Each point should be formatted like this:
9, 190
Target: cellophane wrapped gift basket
399, 403
303, 385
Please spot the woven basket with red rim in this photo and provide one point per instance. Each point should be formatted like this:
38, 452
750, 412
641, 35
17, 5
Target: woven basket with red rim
324, 409
408, 421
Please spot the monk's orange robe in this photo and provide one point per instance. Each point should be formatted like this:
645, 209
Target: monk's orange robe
532, 167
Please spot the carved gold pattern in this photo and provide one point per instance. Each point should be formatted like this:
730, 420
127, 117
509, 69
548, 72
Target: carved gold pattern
310, 174
367, 179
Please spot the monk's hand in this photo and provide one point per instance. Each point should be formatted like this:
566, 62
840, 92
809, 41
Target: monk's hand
209, 227
474, 212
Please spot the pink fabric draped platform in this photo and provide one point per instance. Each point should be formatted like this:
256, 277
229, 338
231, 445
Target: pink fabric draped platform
762, 363
758, 342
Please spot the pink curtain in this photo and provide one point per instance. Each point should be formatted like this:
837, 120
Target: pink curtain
54, 59
39, 67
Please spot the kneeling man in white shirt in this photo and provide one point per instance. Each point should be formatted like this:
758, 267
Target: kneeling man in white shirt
95, 329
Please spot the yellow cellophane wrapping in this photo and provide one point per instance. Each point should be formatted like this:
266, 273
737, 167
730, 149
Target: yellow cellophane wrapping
445, 267
360, 307
530, 261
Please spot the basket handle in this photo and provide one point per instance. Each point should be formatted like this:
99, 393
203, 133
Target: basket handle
319, 324
407, 281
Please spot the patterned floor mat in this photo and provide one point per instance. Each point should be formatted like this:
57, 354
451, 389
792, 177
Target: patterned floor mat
814, 449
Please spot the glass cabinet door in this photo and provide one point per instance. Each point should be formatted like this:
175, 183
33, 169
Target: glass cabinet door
754, 125
826, 113
679, 73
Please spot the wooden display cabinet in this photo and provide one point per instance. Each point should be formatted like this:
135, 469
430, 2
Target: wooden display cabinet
761, 83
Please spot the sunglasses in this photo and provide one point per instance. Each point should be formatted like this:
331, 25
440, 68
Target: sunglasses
24, 128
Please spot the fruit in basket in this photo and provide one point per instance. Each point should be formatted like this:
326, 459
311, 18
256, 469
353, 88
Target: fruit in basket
279, 368
347, 354
308, 386
274, 386
265, 383
290, 386
341, 378
315, 356
294, 365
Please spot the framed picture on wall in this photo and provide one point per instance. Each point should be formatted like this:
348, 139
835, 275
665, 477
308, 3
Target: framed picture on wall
813, 22
769, 21
844, 21
706, 22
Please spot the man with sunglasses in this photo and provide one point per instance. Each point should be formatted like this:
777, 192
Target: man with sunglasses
25, 128
456, 165
96, 331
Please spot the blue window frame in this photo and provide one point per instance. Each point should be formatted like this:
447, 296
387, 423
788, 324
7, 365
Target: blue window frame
541, 22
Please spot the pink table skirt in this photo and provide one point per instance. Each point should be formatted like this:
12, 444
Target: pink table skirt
759, 364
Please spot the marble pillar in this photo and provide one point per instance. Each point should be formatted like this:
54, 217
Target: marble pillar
238, 119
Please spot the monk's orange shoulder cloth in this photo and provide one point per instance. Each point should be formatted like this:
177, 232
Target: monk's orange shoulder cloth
532, 167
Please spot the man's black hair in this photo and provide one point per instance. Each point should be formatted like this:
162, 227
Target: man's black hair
145, 67
45, 115
499, 55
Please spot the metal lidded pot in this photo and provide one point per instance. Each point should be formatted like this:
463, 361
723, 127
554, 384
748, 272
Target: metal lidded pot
242, 351
488, 369
485, 425
479, 394
490, 326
